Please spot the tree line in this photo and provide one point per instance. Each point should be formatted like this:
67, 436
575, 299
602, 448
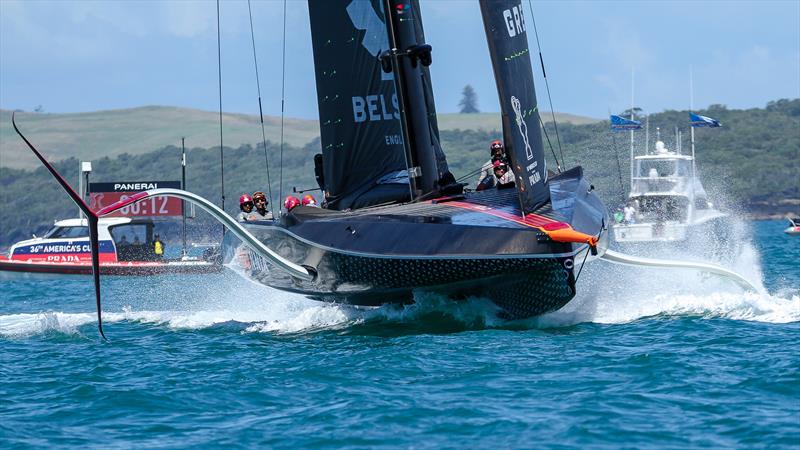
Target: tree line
752, 158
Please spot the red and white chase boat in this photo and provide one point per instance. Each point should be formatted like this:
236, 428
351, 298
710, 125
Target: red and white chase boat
126, 248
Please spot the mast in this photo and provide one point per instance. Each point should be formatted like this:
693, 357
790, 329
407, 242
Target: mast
183, 186
407, 57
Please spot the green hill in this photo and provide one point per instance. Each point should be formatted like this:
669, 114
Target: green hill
752, 161
136, 131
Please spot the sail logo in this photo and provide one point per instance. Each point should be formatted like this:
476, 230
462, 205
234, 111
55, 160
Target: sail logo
375, 40
135, 186
523, 127
533, 174
514, 20
374, 108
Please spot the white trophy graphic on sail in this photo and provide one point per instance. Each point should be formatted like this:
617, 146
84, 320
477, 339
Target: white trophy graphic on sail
523, 127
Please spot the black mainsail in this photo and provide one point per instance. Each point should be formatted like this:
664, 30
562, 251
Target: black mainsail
362, 144
505, 27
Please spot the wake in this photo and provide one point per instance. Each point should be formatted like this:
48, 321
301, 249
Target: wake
284, 313
607, 294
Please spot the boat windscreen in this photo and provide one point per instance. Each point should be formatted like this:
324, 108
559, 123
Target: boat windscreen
67, 232
656, 168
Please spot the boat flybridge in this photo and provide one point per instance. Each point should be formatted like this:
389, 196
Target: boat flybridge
667, 201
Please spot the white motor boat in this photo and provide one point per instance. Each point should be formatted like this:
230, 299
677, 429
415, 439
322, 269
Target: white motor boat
668, 204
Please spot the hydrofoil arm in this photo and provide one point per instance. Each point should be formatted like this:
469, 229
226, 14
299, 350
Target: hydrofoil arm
621, 258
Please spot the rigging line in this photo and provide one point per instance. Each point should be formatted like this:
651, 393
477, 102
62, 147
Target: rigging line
470, 174
283, 99
221, 148
547, 136
547, 85
261, 111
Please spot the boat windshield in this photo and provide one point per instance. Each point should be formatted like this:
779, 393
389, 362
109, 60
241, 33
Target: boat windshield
655, 169
660, 175
67, 232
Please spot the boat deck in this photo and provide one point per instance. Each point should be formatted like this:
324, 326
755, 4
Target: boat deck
490, 208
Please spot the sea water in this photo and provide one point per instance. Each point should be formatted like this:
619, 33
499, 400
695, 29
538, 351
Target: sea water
641, 358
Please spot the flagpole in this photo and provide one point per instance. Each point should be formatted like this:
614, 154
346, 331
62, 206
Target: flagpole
691, 131
647, 134
677, 141
691, 109
632, 118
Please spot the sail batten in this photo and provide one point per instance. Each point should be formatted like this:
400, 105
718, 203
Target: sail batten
504, 23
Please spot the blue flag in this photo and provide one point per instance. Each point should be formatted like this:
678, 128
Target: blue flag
621, 124
702, 121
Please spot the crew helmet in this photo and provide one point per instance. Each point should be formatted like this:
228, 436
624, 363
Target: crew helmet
291, 202
245, 199
308, 200
258, 195
495, 145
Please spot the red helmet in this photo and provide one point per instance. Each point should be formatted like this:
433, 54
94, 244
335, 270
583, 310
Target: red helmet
244, 199
495, 145
291, 202
308, 200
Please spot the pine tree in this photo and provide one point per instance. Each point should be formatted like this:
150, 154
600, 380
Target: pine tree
469, 101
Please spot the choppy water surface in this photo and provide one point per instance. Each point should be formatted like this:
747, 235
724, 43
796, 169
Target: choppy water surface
640, 358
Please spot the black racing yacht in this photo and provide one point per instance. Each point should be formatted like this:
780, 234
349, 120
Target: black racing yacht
395, 221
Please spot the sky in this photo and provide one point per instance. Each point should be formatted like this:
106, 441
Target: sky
78, 56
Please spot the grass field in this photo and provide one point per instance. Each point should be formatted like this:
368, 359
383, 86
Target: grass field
93, 135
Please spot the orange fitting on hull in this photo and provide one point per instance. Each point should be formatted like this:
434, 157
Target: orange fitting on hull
568, 234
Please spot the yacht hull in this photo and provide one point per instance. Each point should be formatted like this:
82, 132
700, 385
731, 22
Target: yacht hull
714, 239
473, 246
521, 287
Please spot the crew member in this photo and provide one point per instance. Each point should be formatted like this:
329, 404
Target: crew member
291, 203
308, 200
246, 206
261, 202
158, 247
629, 214
502, 174
498, 153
